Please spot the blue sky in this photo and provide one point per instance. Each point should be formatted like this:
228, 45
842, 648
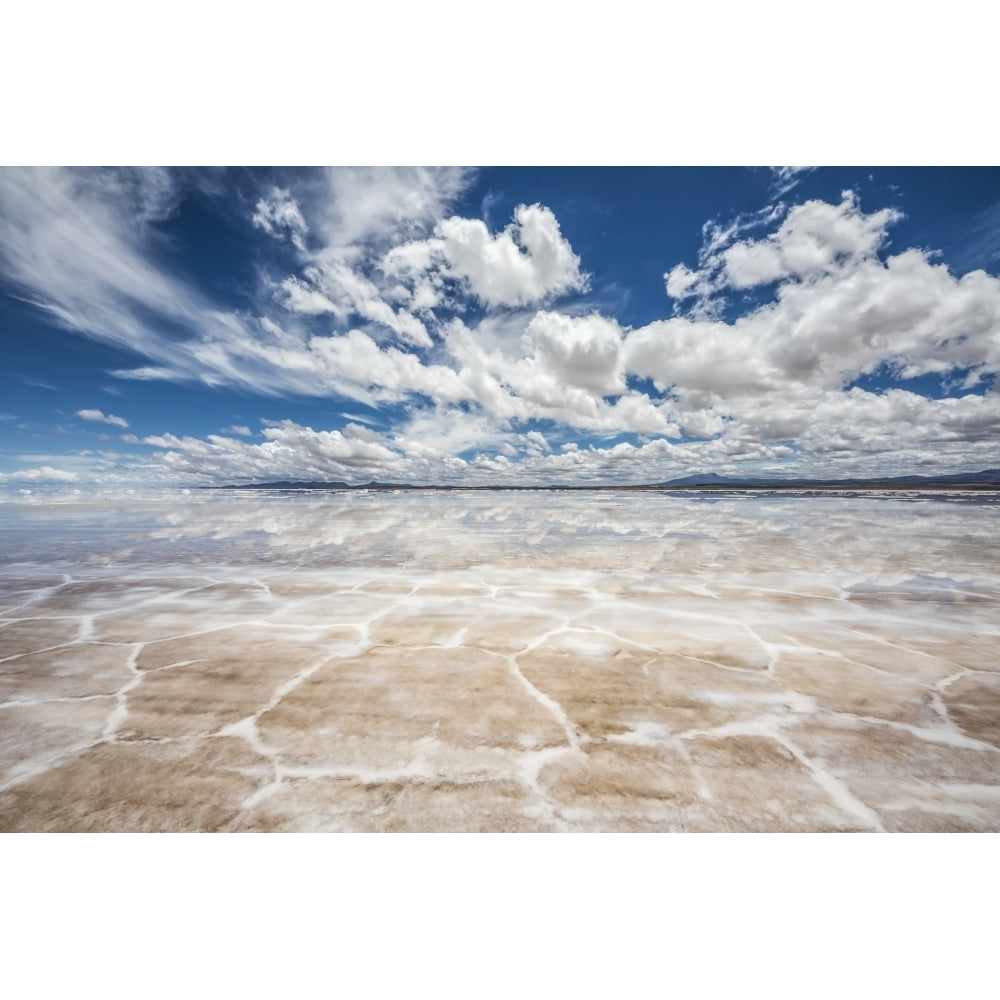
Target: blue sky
183, 327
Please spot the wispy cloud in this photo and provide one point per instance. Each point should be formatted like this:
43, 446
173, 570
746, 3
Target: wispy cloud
104, 418
37, 383
783, 179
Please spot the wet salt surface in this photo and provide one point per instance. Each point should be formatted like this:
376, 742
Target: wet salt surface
501, 661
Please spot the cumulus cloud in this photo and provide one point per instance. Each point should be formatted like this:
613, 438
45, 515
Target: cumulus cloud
582, 350
355, 454
44, 474
362, 211
841, 311
814, 238
356, 216
526, 263
560, 369
294, 451
103, 418
854, 315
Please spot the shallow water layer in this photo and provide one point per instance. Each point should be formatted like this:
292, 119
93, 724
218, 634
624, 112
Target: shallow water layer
527, 661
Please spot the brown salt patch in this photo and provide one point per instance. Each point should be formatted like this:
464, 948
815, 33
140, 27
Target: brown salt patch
566, 602
301, 586
507, 627
659, 627
933, 821
879, 763
698, 696
600, 685
72, 671
432, 622
960, 637
607, 688
758, 785
968, 650
376, 711
29, 635
843, 686
32, 735
234, 675
973, 704
88, 597
136, 788
309, 641
334, 609
616, 786
910, 662
390, 587
730, 649
18, 594
211, 608
438, 806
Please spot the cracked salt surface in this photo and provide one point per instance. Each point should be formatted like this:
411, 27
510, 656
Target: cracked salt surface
518, 661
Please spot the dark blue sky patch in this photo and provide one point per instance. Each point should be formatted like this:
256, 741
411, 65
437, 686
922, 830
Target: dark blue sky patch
933, 385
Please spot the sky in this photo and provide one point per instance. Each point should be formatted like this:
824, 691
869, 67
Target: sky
495, 326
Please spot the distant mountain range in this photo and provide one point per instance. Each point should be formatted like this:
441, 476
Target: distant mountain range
987, 479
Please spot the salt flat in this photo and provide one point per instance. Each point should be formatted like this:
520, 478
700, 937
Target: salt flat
531, 661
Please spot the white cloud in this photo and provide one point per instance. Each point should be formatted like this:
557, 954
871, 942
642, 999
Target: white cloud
333, 287
104, 418
815, 238
45, 474
240, 429
524, 264
528, 262
358, 210
84, 252
293, 451
559, 370
783, 179
80, 254
279, 214
907, 314
584, 351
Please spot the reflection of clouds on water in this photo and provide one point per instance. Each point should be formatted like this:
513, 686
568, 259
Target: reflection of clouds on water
854, 538
494, 661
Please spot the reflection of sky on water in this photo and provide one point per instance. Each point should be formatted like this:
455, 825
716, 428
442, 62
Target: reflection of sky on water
855, 537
